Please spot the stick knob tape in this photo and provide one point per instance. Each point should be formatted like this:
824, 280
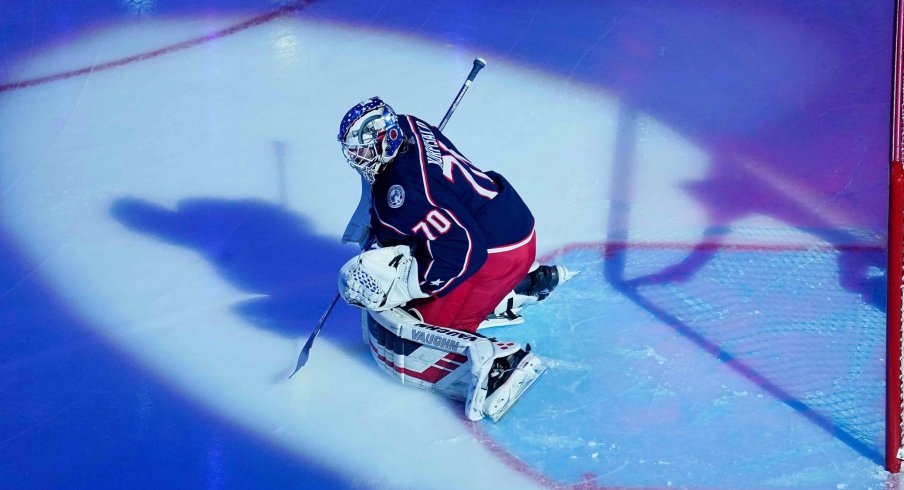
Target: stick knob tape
479, 64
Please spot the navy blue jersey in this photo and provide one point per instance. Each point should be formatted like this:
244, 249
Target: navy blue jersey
452, 214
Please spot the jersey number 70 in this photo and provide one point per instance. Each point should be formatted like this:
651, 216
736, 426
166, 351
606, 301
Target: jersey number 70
437, 222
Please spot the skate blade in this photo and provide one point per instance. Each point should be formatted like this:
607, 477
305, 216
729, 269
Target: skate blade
566, 275
517, 397
500, 322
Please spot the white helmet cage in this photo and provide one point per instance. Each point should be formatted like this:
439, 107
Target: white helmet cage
370, 137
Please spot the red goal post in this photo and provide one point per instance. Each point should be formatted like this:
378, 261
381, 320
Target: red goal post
893, 380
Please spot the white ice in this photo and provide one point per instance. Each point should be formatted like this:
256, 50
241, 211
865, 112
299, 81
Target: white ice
251, 118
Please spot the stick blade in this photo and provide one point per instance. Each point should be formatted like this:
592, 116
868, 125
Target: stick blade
302, 360
305, 351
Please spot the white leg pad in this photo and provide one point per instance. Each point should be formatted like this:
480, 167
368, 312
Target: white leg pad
437, 342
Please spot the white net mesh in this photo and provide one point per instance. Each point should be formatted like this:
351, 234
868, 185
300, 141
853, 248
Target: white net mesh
797, 325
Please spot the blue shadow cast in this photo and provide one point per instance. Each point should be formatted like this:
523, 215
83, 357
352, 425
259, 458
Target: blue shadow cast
79, 414
260, 248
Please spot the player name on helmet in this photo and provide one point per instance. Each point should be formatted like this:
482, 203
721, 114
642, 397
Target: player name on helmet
430, 146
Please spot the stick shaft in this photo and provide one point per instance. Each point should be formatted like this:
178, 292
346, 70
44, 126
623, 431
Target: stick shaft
303, 356
479, 64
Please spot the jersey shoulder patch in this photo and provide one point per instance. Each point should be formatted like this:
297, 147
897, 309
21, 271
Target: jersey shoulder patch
395, 197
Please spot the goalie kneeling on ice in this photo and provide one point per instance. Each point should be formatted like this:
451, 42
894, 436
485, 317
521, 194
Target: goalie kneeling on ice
489, 375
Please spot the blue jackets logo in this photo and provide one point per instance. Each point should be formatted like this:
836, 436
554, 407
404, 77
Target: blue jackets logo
395, 196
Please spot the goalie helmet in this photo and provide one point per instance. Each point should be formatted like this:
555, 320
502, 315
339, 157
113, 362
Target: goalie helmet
370, 137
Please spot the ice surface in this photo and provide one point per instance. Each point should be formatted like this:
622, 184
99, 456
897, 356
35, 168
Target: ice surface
171, 222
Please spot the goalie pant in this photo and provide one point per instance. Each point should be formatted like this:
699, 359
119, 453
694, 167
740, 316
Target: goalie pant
445, 361
477, 297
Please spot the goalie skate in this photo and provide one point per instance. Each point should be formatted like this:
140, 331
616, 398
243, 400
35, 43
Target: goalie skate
537, 286
511, 383
507, 313
494, 321
543, 279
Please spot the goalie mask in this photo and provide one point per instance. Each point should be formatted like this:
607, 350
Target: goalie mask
370, 137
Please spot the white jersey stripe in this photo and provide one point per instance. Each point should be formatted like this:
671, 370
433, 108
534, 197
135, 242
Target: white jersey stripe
506, 248
432, 260
393, 228
467, 256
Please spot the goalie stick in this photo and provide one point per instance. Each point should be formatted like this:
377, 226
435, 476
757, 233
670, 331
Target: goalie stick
479, 64
303, 357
